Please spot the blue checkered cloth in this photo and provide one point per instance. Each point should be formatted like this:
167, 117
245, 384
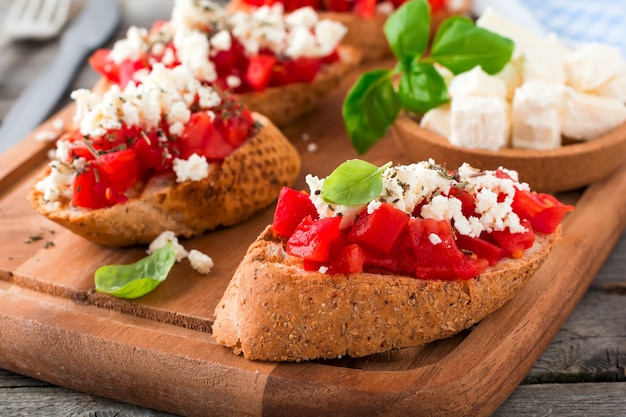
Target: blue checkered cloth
580, 21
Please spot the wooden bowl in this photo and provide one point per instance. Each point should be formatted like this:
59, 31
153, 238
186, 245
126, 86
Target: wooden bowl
566, 168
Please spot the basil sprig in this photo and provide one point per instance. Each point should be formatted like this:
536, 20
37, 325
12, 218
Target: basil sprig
374, 102
135, 280
354, 182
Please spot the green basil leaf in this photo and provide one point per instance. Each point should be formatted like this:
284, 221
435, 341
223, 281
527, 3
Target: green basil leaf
135, 280
422, 88
459, 45
408, 30
370, 108
353, 183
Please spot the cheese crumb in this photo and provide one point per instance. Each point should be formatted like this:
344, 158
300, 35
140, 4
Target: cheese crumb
193, 169
163, 239
201, 262
434, 239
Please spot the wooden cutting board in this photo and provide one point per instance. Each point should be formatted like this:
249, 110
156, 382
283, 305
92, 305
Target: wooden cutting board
158, 352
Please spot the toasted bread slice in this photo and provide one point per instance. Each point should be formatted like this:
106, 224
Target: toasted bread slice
243, 183
274, 310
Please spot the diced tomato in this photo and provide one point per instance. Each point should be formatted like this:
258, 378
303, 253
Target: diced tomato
259, 71
236, 128
365, 8
480, 247
291, 208
437, 5
543, 211
120, 169
312, 238
121, 73
200, 137
156, 26
348, 261
433, 242
380, 229
468, 204
303, 69
103, 65
514, 244
341, 6
89, 191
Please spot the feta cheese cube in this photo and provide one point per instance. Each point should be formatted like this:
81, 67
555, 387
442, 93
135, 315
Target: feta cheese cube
165, 237
479, 122
511, 75
476, 82
538, 109
593, 65
588, 116
614, 88
437, 120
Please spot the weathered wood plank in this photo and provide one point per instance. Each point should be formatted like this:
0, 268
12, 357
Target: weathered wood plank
566, 400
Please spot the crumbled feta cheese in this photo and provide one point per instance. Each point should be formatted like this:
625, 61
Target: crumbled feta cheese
193, 169
304, 16
425, 183
221, 41
323, 269
131, 48
434, 239
58, 124
46, 135
163, 239
385, 7
163, 92
200, 262
232, 81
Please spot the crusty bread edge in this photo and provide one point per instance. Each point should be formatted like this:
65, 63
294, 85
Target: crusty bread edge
273, 310
243, 183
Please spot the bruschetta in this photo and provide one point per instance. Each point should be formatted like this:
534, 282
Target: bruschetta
167, 154
279, 65
364, 19
430, 254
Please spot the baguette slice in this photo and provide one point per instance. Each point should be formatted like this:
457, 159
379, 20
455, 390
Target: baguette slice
243, 183
274, 310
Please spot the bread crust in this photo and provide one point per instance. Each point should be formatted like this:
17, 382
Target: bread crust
243, 183
273, 310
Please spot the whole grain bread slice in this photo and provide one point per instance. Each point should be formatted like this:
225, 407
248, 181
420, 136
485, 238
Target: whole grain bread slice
274, 310
243, 183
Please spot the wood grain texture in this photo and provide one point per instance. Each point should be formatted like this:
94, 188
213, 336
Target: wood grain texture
595, 328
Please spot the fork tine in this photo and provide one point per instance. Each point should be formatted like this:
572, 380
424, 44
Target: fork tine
17, 10
32, 10
54, 11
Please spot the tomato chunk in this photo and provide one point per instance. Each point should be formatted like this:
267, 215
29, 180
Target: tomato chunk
291, 208
349, 260
312, 238
543, 211
380, 229
480, 247
514, 244
259, 71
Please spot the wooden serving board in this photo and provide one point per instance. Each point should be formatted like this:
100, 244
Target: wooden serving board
158, 351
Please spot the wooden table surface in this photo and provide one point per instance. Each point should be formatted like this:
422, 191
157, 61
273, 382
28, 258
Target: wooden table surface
580, 374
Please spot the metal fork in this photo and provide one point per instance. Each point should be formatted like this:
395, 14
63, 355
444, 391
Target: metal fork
34, 19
